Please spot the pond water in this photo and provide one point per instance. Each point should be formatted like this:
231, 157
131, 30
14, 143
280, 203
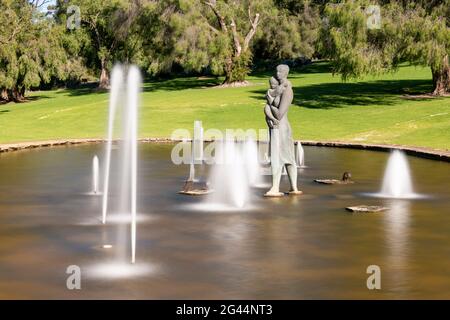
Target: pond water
302, 247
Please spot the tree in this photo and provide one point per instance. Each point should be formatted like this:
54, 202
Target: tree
220, 36
31, 51
110, 28
410, 32
291, 33
238, 22
426, 41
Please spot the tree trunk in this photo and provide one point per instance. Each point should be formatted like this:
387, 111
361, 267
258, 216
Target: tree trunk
235, 70
441, 79
15, 94
4, 95
104, 77
228, 68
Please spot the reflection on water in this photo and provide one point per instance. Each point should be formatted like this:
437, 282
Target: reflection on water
284, 248
397, 222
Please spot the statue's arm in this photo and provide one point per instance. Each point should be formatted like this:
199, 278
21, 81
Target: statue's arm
268, 112
275, 112
286, 100
269, 98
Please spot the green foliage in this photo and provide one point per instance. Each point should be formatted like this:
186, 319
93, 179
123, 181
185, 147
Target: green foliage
414, 32
219, 37
32, 51
290, 31
239, 68
109, 32
222, 36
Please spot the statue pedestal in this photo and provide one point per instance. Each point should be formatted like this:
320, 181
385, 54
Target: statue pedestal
199, 189
274, 194
281, 194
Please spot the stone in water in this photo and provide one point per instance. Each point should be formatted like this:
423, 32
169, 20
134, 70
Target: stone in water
346, 179
365, 209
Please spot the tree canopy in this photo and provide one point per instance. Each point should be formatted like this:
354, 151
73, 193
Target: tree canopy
219, 37
409, 32
32, 51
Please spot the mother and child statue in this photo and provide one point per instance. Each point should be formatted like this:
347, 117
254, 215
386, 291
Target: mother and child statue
281, 147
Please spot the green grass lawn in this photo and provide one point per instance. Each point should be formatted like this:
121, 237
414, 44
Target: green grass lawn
373, 110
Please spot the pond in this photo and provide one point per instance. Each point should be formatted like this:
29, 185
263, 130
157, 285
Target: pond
295, 247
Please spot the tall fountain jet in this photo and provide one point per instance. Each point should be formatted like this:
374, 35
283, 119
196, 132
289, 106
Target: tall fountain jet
116, 87
134, 83
95, 175
191, 172
299, 155
128, 147
397, 177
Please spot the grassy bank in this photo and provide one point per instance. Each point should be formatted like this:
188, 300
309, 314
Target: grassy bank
373, 110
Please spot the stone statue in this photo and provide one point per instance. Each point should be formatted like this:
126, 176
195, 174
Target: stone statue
279, 98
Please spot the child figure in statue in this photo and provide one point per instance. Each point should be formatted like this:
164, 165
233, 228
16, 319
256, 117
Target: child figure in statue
273, 96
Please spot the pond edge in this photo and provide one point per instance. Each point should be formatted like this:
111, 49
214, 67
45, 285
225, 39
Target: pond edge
420, 152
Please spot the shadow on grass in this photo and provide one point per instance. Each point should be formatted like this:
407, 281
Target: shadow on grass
37, 97
342, 94
151, 85
27, 99
181, 84
297, 72
84, 89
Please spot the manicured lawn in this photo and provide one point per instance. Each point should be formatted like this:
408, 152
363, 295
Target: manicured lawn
372, 110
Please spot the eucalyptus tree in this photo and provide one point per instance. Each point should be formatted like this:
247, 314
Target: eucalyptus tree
107, 31
221, 36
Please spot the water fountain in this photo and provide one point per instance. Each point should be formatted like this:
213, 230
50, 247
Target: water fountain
128, 147
116, 88
193, 186
95, 175
397, 181
197, 142
196, 150
191, 172
134, 82
299, 155
228, 178
252, 165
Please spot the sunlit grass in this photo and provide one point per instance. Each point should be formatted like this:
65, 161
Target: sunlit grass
372, 110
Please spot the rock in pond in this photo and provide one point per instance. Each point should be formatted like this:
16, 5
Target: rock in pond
366, 209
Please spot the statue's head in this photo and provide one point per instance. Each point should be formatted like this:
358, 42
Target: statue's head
282, 71
273, 82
